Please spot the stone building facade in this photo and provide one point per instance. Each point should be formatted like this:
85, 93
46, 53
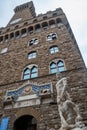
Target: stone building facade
33, 51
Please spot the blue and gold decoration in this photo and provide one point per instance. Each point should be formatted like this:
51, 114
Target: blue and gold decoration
26, 90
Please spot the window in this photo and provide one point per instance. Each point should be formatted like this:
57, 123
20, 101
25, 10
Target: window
32, 55
60, 66
6, 37
45, 25
26, 74
8, 29
44, 17
57, 67
16, 27
53, 68
51, 36
17, 34
31, 71
0, 32
59, 22
54, 36
23, 32
35, 20
52, 23
34, 72
26, 23
33, 41
53, 49
54, 14
37, 28
1, 38
31, 30
11, 35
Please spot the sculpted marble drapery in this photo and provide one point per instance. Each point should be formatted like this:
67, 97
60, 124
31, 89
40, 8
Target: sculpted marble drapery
68, 110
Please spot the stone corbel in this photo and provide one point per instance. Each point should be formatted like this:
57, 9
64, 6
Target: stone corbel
44, 93
8, 100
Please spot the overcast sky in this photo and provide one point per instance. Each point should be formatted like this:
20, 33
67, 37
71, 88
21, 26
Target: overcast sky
75, 10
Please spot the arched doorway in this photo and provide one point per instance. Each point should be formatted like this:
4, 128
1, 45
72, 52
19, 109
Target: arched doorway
25, 122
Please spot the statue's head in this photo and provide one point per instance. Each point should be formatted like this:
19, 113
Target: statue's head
59, 75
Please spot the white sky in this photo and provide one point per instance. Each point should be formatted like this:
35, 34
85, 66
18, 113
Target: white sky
75, 10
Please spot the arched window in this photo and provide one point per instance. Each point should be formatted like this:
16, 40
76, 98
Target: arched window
30, 71
34, 72
17, 34
1, 38
17, 26
54, 36
52, 23
53, 49
26, 23
35, 20
11, 35
36, 41
32, 55
8, 29
37, 28
31, 30
23, 32
26, 74
6, 37
54, 14
33, 41
60, 65
45, 25
59, 22
51, 36
57, 67
44, 17
53, 68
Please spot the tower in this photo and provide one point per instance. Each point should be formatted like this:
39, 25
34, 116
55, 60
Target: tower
33, 50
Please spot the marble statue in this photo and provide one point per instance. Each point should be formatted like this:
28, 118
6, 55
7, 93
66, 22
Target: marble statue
68, 110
